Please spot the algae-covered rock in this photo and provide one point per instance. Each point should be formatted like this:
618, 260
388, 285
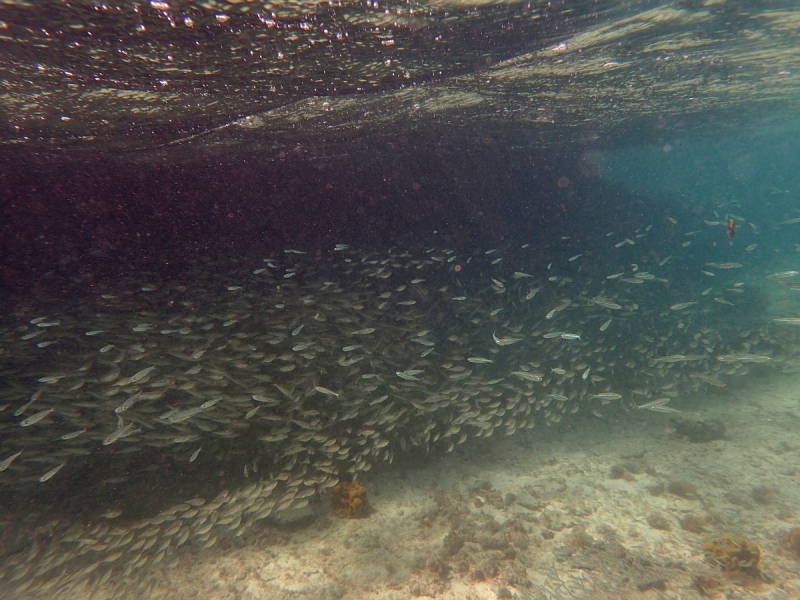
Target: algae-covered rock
698, 430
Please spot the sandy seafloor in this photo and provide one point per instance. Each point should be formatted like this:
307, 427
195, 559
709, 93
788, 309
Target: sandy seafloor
475, 524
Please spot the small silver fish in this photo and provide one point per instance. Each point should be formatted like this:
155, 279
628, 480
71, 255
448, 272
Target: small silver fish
5, 463
653, 403
141, 374
505, 341
682, 305
326, 391
34, 397
120, 432
408, 375
532, 293
127, 404
786, 320
51, 472
528, 376
32, 420
209, 403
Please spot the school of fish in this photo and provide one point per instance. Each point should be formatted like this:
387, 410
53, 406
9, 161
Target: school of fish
301, 372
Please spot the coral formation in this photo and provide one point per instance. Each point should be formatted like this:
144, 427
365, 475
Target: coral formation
349, 500
684, 489
763, 494
794, 540
628, 468
698, 430
693, 523
733, 553
658, 521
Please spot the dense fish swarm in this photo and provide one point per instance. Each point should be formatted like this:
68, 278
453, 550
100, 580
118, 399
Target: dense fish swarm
311, 369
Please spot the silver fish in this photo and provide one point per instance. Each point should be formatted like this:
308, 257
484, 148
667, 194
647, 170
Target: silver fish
528, 376
34, 397
32, 420
408, 375
786, 320
505, 341
326, 391
51, 472
120, 432
5, 463
653, 403
141, 374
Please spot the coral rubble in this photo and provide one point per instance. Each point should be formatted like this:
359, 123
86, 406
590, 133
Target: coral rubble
733, 553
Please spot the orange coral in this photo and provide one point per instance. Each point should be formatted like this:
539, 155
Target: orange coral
349, 499
733, 553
